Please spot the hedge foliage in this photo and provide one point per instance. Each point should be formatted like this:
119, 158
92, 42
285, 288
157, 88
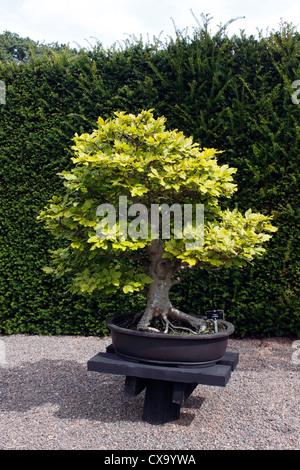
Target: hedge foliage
231, 93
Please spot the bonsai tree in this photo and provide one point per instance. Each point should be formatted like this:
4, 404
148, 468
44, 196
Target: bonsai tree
129, 176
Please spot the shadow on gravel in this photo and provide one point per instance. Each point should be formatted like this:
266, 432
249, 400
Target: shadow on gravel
77, 393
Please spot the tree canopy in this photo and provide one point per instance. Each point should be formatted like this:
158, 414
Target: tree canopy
137, 159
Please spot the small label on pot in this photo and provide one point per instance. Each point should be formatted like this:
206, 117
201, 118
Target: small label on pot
214, 314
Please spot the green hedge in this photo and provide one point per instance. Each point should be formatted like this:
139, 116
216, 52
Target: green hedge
231, 93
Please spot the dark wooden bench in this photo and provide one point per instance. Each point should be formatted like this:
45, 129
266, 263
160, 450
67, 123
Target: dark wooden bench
167, 387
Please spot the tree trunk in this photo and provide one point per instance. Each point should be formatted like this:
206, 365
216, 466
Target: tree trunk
158, 303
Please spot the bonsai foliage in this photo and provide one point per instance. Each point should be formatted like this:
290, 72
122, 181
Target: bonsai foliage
129, 176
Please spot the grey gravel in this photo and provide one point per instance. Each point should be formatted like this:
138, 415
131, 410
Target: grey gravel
49, 401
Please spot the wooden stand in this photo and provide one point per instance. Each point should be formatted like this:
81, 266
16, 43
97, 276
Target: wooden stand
167, 387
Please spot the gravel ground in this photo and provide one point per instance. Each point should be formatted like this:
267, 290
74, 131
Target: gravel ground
49, 401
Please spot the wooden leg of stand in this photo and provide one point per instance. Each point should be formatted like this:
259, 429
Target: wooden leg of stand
181, 392
134, 385
159, 407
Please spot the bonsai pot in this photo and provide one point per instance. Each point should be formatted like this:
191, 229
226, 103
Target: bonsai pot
170, 349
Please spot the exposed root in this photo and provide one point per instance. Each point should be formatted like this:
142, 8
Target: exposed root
195, 324
167, 325
173, 328
151, 330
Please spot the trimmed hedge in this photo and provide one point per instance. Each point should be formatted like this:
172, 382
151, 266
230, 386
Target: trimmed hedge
231, 93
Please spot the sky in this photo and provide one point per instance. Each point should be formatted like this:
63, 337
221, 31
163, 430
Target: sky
84, 22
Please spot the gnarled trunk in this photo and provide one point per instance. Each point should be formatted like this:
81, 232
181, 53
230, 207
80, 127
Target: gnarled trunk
158, 303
